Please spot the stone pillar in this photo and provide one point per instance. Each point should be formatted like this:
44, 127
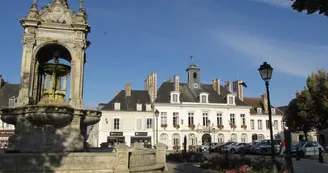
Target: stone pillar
64, 83
161, 154
122, 153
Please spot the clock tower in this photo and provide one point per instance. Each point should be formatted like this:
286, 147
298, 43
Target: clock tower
193, 73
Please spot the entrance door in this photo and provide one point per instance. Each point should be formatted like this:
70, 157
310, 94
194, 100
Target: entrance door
206, 138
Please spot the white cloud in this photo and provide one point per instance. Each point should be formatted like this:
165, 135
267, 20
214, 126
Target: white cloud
278, 3
288, 57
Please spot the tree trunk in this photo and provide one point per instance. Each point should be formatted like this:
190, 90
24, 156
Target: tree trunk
305, 135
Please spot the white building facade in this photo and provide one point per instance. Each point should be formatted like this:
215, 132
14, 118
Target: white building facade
128, 118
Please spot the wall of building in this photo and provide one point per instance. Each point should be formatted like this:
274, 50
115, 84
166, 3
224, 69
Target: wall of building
128, 126
195, 136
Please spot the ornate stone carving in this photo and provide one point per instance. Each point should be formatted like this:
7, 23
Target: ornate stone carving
57, 14
28, 41
61, 35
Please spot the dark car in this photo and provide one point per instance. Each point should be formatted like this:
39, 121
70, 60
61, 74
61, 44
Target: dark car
248, 146
219, 148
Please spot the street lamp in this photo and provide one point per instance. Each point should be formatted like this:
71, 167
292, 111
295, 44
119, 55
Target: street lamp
156, 115
209, 131
266, 74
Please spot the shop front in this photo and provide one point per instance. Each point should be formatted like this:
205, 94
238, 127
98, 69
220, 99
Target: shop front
115, 138
4, 136
142, 138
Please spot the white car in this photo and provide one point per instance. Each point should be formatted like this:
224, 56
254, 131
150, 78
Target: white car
307, 148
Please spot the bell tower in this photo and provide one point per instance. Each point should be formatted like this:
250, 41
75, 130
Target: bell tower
53, 32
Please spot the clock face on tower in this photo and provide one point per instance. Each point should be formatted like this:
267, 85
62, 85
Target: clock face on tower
195, 85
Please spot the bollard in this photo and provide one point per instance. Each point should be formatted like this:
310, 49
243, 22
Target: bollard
297, 154
320, 155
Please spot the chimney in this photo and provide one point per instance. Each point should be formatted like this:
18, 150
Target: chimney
151, 86
238, 89
170, 79
128, 90
265, 103
217, 85
298, 94
227, 85
176, 83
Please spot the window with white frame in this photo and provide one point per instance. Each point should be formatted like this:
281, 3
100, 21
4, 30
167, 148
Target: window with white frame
163, 138
233, 137
190, 118
230, 100
138, 123
273, 110
232, 119
163, 118
175, 98
12, 102
205, 118
252, 124
243, 119
260, 137
275, 124
175, 118
203, 98
176, 139
192, 139
244, 138
259, 110
220, 138
149, 123
219, 118
259, 124
267, 124
116, 123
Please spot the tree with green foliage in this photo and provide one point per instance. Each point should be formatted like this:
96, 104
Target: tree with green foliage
311, 6
317, 83
298, 115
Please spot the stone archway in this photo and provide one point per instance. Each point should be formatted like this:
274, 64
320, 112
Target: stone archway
206, 138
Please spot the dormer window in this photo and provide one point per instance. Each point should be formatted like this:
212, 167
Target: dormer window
117, 106
139, 107
273, 110
148, 107
203, 97
230, 99
175, 97
12, 102
259, 110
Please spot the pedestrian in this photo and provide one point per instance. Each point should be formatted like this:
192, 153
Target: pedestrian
282, 147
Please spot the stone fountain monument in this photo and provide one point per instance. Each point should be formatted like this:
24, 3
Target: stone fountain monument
50, 132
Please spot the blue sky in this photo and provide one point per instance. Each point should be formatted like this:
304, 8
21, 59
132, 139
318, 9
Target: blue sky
229, 39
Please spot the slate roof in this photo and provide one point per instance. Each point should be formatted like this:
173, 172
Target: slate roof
257, 103
192, 95
129, 103
282, 108
6, 92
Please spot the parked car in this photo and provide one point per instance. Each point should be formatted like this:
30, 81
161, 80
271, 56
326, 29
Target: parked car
226, 148
248, 146
255, 149
219, 147
235, 148
205, 147
266, 148
307, 148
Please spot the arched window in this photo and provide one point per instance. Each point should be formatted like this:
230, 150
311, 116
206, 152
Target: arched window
192, 139
220, 138
260, 137
233, 137
244, 138
163, 138
254, 137
195, 75
176, 139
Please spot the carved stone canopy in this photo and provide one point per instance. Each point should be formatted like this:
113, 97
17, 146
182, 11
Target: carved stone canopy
57, 13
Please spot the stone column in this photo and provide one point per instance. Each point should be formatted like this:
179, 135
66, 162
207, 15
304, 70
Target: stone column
122, 153
25, 82
64, 83
161, 155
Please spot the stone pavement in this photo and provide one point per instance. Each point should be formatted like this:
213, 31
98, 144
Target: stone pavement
302, 166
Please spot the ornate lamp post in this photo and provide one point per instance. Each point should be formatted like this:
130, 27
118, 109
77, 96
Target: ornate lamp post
156, 115
266, 74
209, 131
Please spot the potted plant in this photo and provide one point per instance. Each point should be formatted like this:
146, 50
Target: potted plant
177, 126
220, 126
164, 125
176, 147
244, 126
192, 126
233, 126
